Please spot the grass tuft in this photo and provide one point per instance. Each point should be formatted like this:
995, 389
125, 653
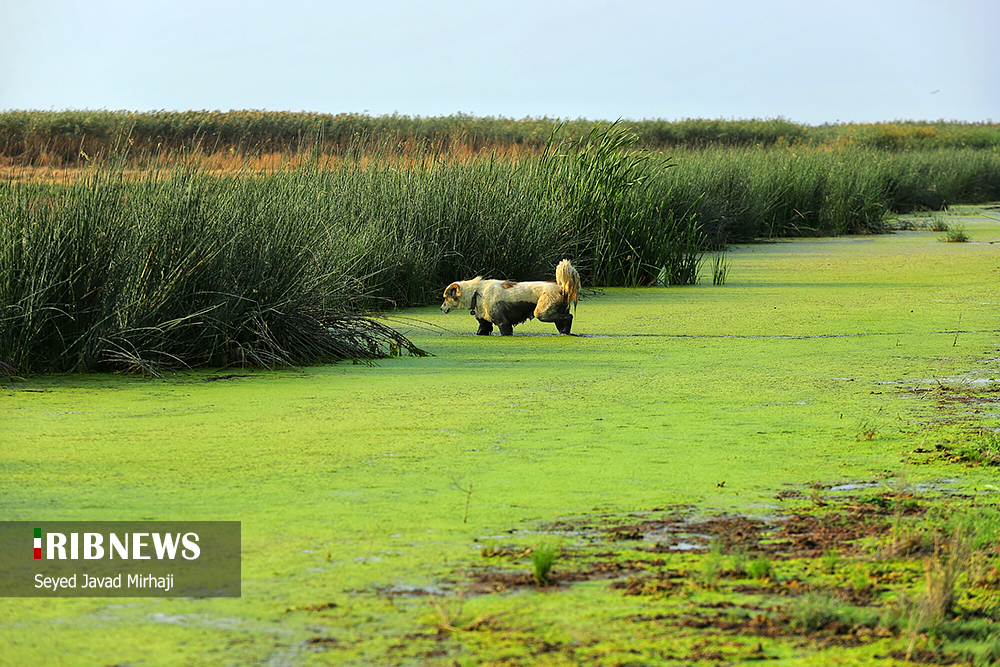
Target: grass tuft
712, 568
720, 268
760, 568
543, 557
814, 612
956, 234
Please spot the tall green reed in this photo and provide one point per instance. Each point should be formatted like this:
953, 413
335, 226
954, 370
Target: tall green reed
621, 224
187, 270
741, 194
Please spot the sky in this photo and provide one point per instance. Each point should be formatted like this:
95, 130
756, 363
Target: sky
806, 61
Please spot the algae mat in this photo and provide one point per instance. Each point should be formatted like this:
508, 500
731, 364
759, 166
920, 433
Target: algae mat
366, 493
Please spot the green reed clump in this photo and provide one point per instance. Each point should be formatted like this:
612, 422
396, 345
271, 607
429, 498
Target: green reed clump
700, 133
760, 568
187, 270
741, 194
543, 557
720, 268
178, 267
935, 179
622, 222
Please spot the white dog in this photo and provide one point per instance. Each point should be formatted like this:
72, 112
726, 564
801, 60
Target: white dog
507, 303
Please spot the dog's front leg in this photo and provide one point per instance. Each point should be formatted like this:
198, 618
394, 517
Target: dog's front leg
564, 323
485, 327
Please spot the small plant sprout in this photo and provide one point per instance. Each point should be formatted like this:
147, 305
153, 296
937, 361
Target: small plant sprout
712, 570
867, 428
816, 494
936, 603
448, 611
956, 234
739, 559
491, 549
938, 224
812, 612
983, 448
830, 561
543, 557
760, 568
720, 268
449, 616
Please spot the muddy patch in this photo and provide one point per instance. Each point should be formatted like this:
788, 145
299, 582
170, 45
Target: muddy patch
966, 426
638, 545
851, 568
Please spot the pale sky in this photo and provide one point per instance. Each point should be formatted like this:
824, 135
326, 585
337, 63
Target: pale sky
809, 61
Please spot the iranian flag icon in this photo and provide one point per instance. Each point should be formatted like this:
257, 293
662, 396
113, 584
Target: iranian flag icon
38, 543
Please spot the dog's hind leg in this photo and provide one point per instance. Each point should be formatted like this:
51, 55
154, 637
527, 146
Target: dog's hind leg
560, 316
485, 327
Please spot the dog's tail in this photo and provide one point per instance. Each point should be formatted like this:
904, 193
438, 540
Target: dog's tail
569, 281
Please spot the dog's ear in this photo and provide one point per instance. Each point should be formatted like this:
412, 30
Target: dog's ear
453, 291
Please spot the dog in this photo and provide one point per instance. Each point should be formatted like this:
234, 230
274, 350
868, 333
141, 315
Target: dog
507, 303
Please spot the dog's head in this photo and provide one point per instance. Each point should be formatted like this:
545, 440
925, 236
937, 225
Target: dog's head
452, 298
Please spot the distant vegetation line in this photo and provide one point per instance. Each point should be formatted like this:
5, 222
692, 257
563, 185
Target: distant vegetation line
65, 138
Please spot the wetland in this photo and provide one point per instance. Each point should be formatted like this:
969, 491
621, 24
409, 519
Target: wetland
797, 466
